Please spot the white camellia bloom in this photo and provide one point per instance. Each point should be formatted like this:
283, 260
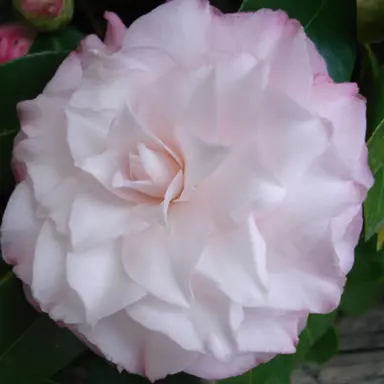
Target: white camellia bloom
190, 190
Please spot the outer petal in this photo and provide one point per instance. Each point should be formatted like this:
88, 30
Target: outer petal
241, 254
305, 275
148, 261
255, 32
67, 77
123, 348
269, 331
18, 237
157, 29
163, 357
210, 368
291, 72
49, 284
107, 289
341, 104
115, 31
138, 351
346, 230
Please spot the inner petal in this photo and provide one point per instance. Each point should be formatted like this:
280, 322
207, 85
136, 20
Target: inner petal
161, 168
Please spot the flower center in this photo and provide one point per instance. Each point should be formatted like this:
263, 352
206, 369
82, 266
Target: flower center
153, 171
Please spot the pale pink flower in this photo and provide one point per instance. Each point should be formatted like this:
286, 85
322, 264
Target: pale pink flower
193, 190
15, 41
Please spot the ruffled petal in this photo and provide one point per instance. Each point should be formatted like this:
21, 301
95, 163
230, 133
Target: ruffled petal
49, 285
200, 158
147, 260
18, 237
116, 30
107, 289
241, 254
67, 78
123, 348
191, 20
269, 331
209, 368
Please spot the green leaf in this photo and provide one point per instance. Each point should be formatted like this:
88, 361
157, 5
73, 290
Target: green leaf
99, 371
318, 325
277, 371
368, 72
375, 110
22, 79
15, 313
324, 348
374, 206
365, 282
32, 346
63, 40
376, 147
330, 24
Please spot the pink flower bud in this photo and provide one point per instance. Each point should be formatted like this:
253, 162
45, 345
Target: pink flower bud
45, 15
15, 41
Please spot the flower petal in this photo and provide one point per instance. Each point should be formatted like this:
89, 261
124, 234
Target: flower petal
209, 368
147, 260
18, 237
116, 30
269, 331
49, 285
170, 320
200, 158
118, 218
122, 348
190, 19
107, 289
164, 357
241, 254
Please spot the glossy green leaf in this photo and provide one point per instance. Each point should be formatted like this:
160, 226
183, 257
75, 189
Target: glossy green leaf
16, 314
376, 148
374, 206
63, 40
99, 371
22, 79
32, 346
365, 282
319, 324
375, 102
324, 348
330, 24
277, 371
368, 72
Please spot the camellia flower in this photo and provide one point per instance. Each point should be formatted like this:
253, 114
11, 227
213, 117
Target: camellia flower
191, 190
15, 41
45, 15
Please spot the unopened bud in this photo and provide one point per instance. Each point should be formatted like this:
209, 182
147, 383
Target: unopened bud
15, 41
45, 15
